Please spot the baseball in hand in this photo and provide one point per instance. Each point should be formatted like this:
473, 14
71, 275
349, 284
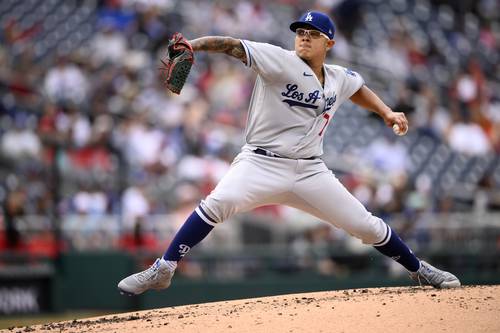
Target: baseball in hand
397, 130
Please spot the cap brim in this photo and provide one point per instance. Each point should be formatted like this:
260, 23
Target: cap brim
299, 24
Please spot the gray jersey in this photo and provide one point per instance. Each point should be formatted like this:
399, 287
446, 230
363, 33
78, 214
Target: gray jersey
289, 110
288, 115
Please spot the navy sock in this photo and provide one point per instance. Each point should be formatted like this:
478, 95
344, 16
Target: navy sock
397, 250
193, 231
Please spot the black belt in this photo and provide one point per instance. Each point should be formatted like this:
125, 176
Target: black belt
264, 152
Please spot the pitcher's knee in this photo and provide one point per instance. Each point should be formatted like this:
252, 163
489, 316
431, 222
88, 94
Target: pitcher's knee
218, 210
372, 231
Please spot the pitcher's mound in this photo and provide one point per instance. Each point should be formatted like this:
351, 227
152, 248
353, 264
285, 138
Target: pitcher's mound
414, 309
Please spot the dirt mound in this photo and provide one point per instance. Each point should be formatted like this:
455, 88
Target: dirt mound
414, 309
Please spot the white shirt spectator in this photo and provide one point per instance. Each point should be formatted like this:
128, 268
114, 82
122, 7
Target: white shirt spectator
195, 168
82, 131
90, 202
466, 88
143, 5
135, 205
390, 56
109, 45
165, 110
384, 194
388, 156
492, 111
144, 144
66, 82
469, 138
257, 17
440, 120
21, 143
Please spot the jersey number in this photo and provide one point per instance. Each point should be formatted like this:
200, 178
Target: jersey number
327, 117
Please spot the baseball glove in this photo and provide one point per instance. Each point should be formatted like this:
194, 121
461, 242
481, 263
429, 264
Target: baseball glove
177, 63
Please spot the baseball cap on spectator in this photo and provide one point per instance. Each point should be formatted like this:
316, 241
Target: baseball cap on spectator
316, 20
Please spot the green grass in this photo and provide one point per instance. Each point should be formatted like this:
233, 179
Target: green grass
28, 320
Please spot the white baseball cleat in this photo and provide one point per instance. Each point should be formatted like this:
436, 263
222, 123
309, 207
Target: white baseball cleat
156, 277
430, 275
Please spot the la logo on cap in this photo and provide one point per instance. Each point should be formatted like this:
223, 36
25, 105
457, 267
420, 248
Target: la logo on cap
309, 17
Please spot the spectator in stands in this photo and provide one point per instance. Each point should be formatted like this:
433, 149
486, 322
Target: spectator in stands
143, 143
151, 24
468, 137
20, 141
66, 83
116, 14
13, 210
80, 129
108, 45
135, 205
391, 56
487, 197
90, 201
138, 239
490, 116
388, 155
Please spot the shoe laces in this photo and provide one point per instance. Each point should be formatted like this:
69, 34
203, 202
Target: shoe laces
149, 273
426, 273
433, 275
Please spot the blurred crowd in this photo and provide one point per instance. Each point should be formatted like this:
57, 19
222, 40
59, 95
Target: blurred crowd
91, 131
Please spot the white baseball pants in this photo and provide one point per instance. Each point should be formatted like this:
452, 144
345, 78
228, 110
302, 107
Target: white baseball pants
256, 180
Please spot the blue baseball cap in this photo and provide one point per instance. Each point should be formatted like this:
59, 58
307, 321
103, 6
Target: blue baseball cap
316, 20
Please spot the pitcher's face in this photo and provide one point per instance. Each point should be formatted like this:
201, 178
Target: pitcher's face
311, 44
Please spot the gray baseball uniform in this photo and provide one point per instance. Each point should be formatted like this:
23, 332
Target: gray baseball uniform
288, 116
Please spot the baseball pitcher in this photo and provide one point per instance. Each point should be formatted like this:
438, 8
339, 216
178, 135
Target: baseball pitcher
294, 99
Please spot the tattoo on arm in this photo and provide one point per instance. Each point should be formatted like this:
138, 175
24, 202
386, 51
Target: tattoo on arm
228, 45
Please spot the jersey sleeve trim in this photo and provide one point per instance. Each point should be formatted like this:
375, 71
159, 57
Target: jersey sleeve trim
248, 54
